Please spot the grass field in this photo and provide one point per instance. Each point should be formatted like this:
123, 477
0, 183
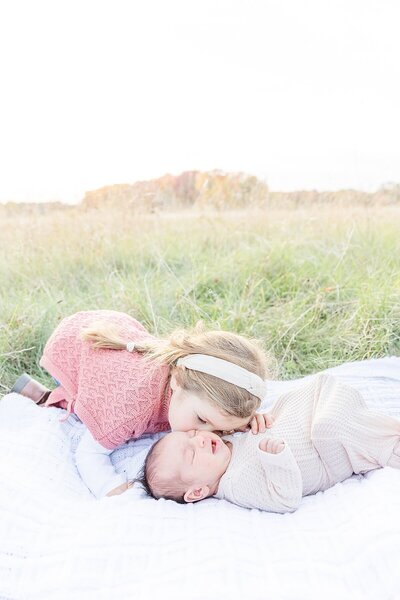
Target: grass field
318, 285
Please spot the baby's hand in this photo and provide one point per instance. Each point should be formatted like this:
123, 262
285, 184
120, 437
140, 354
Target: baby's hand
272, 446
258, 424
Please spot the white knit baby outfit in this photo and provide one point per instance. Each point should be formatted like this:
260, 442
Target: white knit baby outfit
329, 434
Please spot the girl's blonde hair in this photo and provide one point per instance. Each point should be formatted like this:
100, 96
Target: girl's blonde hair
229, 398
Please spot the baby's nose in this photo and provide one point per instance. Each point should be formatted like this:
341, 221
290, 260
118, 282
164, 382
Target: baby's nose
200, 440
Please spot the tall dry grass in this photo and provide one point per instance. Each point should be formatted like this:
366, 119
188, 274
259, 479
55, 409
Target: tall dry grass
318, 284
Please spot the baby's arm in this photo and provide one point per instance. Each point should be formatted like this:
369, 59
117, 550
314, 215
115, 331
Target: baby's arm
95, 467
283, 482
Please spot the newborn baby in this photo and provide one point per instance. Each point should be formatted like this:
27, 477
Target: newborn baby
322, 433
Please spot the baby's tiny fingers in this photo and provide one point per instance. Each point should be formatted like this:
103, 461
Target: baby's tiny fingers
269, 420
254, 425
273, 446
261, 423
268, 445
257, 424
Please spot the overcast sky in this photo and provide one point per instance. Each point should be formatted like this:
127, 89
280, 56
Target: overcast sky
304, 93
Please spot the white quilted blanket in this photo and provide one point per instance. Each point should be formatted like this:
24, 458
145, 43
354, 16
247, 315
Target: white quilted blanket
58, 542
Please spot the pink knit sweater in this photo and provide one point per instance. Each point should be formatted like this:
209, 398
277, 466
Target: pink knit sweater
117, 394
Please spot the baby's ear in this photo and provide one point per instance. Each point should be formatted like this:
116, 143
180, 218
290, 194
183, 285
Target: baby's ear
196, 494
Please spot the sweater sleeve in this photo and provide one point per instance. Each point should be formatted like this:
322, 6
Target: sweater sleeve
282, 484
95, 467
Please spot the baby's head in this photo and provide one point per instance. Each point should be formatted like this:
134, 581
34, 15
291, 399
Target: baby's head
185, 466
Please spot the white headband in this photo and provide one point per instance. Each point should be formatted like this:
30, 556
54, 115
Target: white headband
225, 370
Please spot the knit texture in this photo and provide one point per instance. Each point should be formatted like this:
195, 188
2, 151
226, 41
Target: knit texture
329, 434
117, 394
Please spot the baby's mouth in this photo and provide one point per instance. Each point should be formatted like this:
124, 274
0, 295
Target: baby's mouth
214, 446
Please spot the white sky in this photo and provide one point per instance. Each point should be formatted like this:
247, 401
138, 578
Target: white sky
304, 93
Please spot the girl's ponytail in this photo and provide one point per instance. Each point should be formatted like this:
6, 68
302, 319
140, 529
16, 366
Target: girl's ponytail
107, 335
104, 335
245, 353
179, 344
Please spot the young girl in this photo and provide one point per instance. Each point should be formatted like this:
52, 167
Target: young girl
122, 382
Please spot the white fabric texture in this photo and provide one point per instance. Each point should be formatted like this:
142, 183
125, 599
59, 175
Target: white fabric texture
58, 542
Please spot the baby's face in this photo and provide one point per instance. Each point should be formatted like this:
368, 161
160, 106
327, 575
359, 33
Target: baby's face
197, 458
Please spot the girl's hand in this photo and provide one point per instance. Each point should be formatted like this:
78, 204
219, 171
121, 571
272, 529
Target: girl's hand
272, 446
120, 489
